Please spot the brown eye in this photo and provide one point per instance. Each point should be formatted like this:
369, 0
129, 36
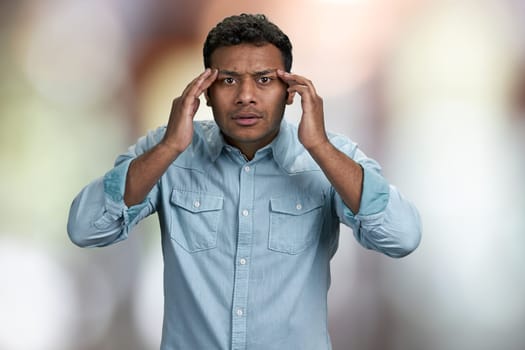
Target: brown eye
265, 80
229, 81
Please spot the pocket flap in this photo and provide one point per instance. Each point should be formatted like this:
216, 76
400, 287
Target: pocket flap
196, 201
295, 205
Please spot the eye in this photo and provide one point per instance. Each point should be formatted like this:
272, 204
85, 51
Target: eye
264, 80
229, 81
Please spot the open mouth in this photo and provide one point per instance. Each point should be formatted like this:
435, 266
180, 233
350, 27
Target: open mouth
246, 119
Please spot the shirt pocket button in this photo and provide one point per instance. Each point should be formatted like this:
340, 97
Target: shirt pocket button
194, 219
294, 224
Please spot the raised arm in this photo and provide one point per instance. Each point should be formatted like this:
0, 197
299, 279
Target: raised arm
145, 170
382, 219
345, 175
105, 210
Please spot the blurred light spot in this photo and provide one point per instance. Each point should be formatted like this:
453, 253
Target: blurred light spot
461, 51
447, 88
165, 79
33, 136
97, 299
344, 2
36, 299
73, 52
149, 303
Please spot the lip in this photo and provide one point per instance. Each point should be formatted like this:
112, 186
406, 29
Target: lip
246, 118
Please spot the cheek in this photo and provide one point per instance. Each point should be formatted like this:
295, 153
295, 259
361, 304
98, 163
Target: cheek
273, 93
219, 97
282, 95
280, 99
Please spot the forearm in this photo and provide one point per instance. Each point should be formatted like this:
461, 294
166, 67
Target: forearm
145, 170
345, 175
94, 220
395, 232
98, 215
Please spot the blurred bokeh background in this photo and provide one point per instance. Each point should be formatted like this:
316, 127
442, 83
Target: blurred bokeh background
432, 89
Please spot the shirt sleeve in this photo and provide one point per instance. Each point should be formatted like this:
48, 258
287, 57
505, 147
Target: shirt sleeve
98, 215
386, 222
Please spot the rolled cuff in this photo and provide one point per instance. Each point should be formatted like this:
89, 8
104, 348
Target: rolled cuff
374, 197
115, 182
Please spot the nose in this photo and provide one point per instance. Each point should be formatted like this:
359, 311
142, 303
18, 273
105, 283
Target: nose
246, 92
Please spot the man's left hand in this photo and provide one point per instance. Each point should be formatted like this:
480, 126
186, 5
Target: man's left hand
311, 127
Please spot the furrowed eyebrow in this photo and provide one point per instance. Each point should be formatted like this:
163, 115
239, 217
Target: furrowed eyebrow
255, 74
228, 72
264, 72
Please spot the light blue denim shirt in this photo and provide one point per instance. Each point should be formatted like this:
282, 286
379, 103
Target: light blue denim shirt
246, 244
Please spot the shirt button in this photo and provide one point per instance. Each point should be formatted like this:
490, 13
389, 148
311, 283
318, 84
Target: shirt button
245, 212
298, 206
196, 204
247, 168
239, 312
242, 261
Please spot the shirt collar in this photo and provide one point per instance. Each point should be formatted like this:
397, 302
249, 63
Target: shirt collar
287, 151
282, 144
215, 141
213, 138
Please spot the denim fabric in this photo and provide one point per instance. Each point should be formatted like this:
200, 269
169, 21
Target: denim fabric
246, 244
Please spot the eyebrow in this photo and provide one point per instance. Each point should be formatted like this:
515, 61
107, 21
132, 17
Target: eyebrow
255, 74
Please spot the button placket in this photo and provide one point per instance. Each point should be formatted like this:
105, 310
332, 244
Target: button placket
243, 251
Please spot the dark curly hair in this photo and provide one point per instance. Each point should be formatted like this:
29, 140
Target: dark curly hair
250, 29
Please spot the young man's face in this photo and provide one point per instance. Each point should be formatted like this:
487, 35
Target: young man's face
248, 98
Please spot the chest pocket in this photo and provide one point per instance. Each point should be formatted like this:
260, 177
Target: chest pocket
195, 219
295, 223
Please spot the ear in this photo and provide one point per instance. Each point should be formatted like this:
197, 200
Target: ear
289, 97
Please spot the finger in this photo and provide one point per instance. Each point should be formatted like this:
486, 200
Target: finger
295, 79
306, 92
188, 100
300, 89
208, 81
307, 97
190, 85
192, 89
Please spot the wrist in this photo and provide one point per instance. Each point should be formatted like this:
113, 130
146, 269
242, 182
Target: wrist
169, 149
319, 148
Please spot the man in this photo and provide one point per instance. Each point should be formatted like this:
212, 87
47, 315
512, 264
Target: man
249, 205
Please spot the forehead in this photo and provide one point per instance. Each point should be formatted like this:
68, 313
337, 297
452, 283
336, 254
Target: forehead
247, 58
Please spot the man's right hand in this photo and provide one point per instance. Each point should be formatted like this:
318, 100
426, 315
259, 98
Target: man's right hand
145, 170
179, 131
